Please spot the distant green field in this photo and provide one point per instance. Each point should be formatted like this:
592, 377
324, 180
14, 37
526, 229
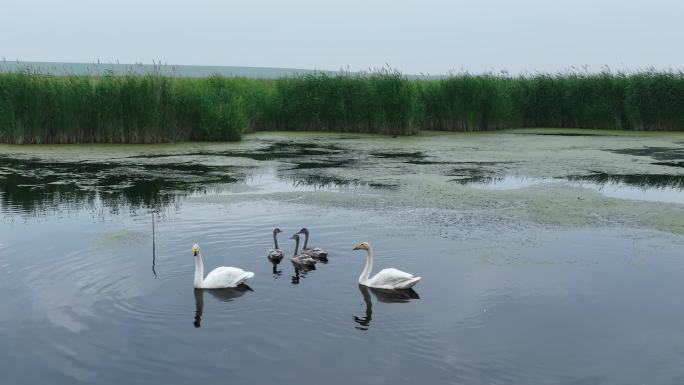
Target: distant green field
192, 71
154, 107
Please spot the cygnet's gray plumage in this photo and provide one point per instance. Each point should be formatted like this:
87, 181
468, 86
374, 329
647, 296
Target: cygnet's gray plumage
300, 259
275, 255
313, 252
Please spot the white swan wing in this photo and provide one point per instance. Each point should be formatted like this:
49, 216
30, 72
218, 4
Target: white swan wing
223, 277
392, 279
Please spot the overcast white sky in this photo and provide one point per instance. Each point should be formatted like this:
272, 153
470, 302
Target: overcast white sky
428, 36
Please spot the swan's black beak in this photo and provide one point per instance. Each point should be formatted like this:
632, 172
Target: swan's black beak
356, 247
194, 253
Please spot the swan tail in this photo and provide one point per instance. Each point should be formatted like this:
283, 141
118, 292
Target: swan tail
409, 283
248, 275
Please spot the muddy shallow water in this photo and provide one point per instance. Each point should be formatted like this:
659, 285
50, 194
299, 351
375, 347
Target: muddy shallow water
547, 257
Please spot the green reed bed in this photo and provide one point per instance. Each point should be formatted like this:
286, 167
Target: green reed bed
382, 103
641, 101
38, 108
469, 103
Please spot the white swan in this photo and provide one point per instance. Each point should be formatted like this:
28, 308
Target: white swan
386, 278
219, 278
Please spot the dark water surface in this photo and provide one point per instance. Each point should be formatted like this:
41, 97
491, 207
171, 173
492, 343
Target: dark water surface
557, 272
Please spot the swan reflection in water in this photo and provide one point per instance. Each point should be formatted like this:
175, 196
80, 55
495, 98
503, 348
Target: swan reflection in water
223, 295
276, 273
382, 295
300, 272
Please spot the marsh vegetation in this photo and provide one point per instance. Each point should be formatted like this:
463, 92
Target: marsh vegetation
151, 108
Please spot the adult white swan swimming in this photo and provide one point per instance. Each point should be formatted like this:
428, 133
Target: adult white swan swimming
219, 278
386, 278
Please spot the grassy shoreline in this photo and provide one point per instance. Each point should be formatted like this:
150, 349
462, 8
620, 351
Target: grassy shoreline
152, 108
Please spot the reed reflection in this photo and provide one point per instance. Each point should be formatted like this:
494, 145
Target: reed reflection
34, 185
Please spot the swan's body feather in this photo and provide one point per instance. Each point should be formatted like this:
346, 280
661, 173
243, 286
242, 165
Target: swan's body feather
392, 278
316, 252
275, 255
303, 260
224, 277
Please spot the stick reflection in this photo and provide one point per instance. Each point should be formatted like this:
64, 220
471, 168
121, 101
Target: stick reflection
154, 253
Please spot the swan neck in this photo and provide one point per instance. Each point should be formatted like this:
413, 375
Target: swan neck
275, 240
296, 246
306, 240
199, 272
365, 274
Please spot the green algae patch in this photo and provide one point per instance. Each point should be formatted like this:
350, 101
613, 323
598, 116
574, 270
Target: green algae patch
122, 238
563, 176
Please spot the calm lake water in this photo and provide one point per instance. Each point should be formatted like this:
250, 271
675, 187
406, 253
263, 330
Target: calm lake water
551, 257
